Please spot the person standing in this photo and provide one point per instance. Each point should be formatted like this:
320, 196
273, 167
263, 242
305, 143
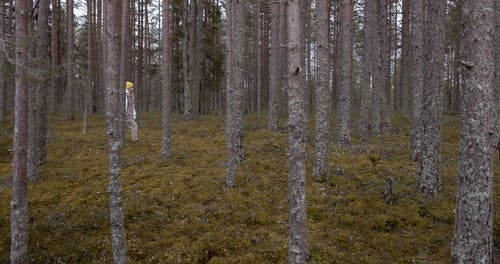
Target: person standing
130, 113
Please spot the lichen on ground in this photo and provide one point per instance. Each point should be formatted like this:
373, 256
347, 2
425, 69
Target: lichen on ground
180, 212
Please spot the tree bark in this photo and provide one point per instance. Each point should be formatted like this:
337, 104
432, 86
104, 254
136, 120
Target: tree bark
455, 90
166, 145
364, 112
124, 56
297, 246
188, 98
473, 234
234, 123
112, 67
416, 69
68, 93
275, 80
88, 90
3, 61
384, 66
322, 93
405, 54
429, 165
374, 54
345, 63
19, 202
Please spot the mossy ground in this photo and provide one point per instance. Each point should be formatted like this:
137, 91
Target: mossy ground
180, 212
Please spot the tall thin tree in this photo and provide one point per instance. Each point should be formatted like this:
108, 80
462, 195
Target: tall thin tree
275, 80
68, 93
473, 236
297, 246
19, 203
322, 93
166, 146
112, 84
416, 70
345, 63
3, 80
234, 113
430, 161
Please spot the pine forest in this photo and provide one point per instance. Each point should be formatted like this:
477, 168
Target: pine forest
249, 131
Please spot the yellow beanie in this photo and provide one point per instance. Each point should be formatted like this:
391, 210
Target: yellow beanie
129, 85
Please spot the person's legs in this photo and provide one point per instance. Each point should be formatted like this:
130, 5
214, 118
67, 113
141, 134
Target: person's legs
132, 125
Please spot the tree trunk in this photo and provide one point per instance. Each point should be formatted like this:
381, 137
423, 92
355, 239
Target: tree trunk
497, 70
88, 90
429, 165
345, 63
384, 67
416, 69
188, 98
322, 95
234, 129
68, 93
455, 90
124, 56
112, 67
3, 61
473, 235
404, 76
19, 204
258, 57
275, 80
166, 145
364, 112
374, 56
297, 246
283, 57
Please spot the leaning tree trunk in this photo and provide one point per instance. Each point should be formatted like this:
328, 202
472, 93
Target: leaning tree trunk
322, 97
166, 145
416, 82
19, 203
297, 246
345, 61
429, 165
112, 68
275, 80
473, 236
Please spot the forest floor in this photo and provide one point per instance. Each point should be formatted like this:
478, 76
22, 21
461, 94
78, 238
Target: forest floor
180, 212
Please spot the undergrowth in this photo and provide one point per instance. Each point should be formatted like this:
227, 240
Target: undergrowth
180, 212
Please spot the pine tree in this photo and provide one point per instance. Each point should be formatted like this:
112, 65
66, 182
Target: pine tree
473, 236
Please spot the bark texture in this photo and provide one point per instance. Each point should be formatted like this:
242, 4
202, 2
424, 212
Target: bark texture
3, 81
234, 112
274, 68
166, 145
112, 68
19, 202
297, 250
322, 95
374, 54
188, 96
416, 69
68, 93
403, 95
345, 57
473, 236
429, 164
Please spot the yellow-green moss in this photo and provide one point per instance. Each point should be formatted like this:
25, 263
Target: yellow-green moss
180, 212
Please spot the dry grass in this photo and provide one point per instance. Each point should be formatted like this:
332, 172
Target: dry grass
179, 211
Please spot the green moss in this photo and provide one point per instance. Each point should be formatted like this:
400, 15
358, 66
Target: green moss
180, 212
